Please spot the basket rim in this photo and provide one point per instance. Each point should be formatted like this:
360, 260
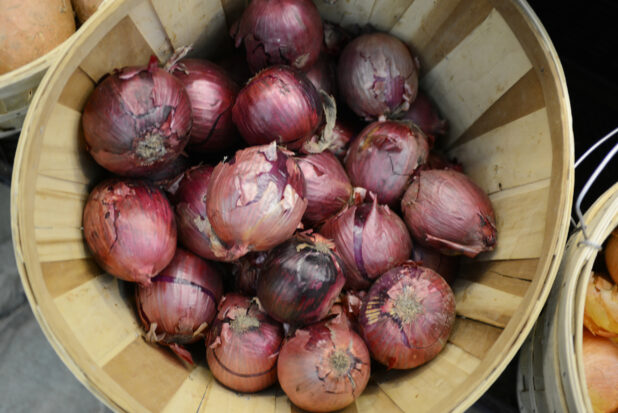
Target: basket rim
43, 96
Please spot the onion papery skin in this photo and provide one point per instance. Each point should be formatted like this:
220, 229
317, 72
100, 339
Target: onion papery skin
246, 272
343, 135
445, 265
137, 120
278, 104
611, 255
212, 93
130, 229
445, 210
335, 39
601, 307
300, 280
383, 158
407, 316
243, 345
328, 188
194, 229
377, 76
437, 160
425, 115
370, 239
279, 32
324, 367
257, 199
323, 75
181, 302
600, 360
169, 177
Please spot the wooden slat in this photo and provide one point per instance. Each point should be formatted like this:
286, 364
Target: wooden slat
523, 98
102, 322
346, 13
224, 400
107, 56
466, 17
197, 22
374, 399
421, 388
77, 90
149, 373
386, 13
522, 269
421, 21
63, 276
147, 22
494, 61
63, 153
474, 337
191, 394
512, 155
509, 285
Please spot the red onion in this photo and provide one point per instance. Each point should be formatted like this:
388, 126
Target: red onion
256, 200
383, 157
235, 64
335, 39
377, 76
243, 345
281, 104
169, 177
246, 272
301, 280
328, 186
343, 135
437, 160
407, 316
445, 210
445, 265
424, 113
370, 239
130, 229
194, 229
137, 120
212, 93
180, 303
279, 32
322, 75
323, 367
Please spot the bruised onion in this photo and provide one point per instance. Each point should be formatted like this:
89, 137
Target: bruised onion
130, 229
243, 345
383, 157
611, 255
328, 186
212, 93
279, 32
377, 76
180, 303
601, 307
323, 74
194, 229
323, 367
445, 210
246, 272
278, 104
407, 316
425, 115
137, 120
300, 280
257, 199
370, 239
445, 265
600, 360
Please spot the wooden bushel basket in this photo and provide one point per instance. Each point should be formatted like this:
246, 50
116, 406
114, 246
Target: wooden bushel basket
493, 72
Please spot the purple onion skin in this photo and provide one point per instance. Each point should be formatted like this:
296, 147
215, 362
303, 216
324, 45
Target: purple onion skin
257, 199
323, 75
130, 229
335, 39
278, 104
301, 280
445, 265
181, 298
407, 316
137, 121
425, 115
377, 76
212, 93
370, 239
275, 32
246, 272
445, 210
328, 186
383, 158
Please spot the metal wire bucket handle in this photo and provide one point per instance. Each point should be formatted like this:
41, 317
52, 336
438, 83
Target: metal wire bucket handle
591, 180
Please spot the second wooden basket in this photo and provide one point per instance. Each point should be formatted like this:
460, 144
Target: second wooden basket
491, 69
